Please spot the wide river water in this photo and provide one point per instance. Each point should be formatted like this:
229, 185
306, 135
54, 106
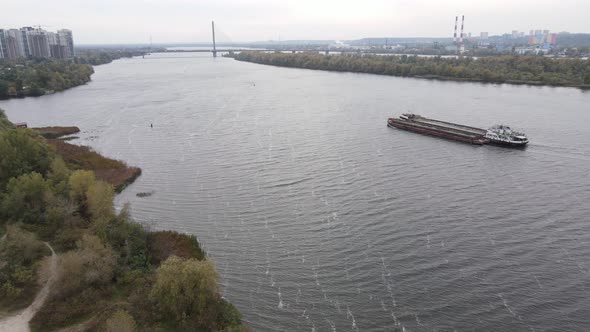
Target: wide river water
319, 217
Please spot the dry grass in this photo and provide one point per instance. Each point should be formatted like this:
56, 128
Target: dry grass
164, 244
115, 172
56, 132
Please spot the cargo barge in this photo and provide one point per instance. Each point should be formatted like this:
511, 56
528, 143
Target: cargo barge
499, 135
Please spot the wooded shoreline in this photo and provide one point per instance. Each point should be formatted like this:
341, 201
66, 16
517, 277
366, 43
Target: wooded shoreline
113, 274
511, 69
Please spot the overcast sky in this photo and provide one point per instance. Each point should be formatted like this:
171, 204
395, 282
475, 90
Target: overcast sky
169, 21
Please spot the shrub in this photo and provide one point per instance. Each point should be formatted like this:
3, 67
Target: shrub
164, 244
19, 253
120, 321
92, 264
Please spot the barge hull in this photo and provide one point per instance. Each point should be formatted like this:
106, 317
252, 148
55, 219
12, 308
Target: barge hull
451, 133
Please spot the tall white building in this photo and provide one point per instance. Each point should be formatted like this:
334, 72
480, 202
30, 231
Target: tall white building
36, 43
16, 43
66, 38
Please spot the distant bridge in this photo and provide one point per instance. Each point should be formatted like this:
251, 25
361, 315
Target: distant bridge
216, 50
286, 50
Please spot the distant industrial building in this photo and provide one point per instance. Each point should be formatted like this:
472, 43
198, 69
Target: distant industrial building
28, 42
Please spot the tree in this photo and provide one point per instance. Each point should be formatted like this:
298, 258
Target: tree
4, 123
22, 152
4, 87
183, 288
99, 197
26, 199
92, 264
80, 181
59, 175
120, 321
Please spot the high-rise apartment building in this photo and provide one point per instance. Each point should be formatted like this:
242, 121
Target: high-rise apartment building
2, 45
24, 31
27, 42
38, 43
66, 38
15, 44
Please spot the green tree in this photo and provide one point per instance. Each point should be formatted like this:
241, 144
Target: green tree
26, 199
22, 152
79, 182
4, 123
59, 175
183, 288
99, 198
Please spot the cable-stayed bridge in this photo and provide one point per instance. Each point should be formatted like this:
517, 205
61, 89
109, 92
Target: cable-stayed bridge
214, 50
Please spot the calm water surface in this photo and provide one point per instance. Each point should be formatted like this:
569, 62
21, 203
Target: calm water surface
319, 217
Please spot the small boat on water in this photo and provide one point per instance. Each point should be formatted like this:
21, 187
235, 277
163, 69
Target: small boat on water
498, 135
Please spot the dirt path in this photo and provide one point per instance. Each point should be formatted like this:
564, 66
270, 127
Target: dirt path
20, 322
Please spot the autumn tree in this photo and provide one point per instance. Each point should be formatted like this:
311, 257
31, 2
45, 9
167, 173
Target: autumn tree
184, 287
92, 264
99, 198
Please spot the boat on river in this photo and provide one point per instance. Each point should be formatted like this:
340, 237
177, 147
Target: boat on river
498, 135
505, 136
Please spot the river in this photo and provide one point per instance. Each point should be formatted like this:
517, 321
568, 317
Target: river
319, 217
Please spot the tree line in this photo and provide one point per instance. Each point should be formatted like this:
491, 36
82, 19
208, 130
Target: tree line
38, 77
101, 56
514, 69
113, 274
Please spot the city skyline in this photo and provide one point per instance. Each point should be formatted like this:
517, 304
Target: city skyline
185, 21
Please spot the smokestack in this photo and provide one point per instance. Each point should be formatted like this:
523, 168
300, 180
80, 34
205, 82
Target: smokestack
462, 23
455, 34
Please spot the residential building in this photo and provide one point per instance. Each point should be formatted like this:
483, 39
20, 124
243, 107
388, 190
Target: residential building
38, 44
28, 42
66, 38
2, 45
24, 31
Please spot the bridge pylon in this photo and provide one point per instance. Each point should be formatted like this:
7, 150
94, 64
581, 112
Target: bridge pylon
213, 33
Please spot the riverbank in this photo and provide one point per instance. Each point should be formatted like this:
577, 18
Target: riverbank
529, 70
113, 274
115, 172
34, 78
